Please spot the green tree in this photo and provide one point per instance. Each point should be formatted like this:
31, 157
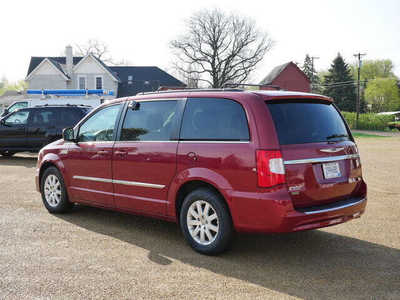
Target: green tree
371, 69
339, 85
383, 94
5, 85
307, 67
380, 81
310, 72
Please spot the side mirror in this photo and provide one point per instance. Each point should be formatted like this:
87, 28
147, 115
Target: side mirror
68, 135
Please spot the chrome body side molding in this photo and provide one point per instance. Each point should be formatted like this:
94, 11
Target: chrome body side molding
125, 182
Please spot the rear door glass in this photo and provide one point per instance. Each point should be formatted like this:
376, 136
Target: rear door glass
43, 117
300, 122
214, 120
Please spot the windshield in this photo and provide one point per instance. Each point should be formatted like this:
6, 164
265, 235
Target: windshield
307, 122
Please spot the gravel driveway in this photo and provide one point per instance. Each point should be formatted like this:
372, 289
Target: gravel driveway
96, 254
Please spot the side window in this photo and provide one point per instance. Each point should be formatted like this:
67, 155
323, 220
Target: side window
100, 126
214, 120
70, 117
43, 117
18, 118
150, 121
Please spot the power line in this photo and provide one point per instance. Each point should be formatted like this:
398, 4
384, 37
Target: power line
343, 83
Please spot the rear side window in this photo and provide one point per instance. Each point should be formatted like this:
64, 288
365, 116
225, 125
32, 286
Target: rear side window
307, 122
44, 117
215, 120
150, 121
70, 117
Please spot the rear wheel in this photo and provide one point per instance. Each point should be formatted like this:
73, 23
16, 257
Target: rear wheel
54, 193
7, 153
205, 222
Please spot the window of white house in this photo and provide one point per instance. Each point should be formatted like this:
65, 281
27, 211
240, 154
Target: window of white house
99, 82
82, 82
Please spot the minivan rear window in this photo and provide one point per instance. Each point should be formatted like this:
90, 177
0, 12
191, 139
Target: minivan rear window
300, 122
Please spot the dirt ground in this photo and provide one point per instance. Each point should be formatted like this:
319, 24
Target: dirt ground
96, 254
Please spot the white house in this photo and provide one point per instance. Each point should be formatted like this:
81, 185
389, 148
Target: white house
89, 72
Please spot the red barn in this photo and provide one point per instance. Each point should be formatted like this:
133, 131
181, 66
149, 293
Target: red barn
288, 77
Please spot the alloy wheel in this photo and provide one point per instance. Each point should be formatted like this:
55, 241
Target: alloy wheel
202, 222
52, 190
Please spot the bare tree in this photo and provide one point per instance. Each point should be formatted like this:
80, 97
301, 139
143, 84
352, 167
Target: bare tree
186, 75
101, 50
220, 48
96, 47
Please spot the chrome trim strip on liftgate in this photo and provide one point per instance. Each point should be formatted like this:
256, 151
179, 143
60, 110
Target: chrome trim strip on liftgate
125, 182
320, 159
333, 208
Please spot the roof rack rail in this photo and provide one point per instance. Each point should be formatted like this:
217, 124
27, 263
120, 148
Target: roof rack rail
63, 105
192, 90
235, 85
71, 92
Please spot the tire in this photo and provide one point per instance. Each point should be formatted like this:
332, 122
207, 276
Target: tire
7, 153
54, 193
211, 231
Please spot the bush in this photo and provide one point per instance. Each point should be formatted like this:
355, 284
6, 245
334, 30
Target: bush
369, 121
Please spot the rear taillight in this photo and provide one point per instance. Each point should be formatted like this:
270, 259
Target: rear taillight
270, 168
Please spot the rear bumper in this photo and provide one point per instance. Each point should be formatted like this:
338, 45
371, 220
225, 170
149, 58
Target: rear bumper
272, 213
326, 215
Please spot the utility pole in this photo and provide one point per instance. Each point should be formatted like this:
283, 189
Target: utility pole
312, 71
358, 56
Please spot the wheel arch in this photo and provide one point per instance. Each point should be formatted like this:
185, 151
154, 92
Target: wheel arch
44, 167
192, 185
52, 160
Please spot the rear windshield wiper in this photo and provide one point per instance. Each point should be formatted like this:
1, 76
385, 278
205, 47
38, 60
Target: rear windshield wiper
333, 136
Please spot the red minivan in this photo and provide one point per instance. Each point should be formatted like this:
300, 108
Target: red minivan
215, 161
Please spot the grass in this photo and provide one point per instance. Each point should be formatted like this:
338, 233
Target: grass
367, 135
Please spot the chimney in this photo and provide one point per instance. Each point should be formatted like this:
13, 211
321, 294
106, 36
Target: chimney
69, 59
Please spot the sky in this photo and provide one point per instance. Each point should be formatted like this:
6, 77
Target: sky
140, 31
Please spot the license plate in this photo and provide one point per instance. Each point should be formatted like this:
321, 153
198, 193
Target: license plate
331, 170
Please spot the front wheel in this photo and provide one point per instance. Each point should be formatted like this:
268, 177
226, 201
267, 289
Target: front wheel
205, 222
54, 193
